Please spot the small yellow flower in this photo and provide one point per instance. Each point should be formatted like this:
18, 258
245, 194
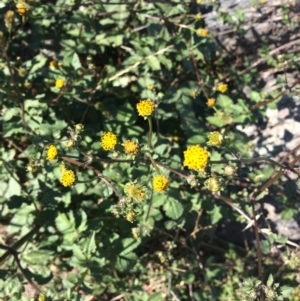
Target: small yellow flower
70, 143
212, 184
229, 170
21, 7
68, 178
176, 138
109, 141
53, 64
42, 297
215, 139
160, 183
193, 94
59, 83
211, 102
145, 108
196, 158
62, 167
262, 1
131, 216
202, 32
135, 233
130, 147
135, 191
150, 87
52, 152
79, 128
222, 88
9, 19
31, 168
198, 16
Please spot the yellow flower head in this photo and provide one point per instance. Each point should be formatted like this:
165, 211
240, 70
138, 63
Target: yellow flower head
21, 7
52, 152
79, 128
9, 19
109, 141
202, 32
229, 170
62, 167
67, 177
70, 143
193, 94
222, 88
131, 216
53, 64
198, 16
59, 83
42, 297
145, 108
215, 139
176, 138
213, 184
135, 191
160, 183
196, 158
211, 102
130, 147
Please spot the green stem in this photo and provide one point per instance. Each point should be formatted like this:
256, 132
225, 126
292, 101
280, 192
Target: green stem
150, 132
251, 160
153, 163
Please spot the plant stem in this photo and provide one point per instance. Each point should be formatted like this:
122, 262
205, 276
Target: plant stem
150, 133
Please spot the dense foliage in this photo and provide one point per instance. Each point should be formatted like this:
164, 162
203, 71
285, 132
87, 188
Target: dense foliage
122, 159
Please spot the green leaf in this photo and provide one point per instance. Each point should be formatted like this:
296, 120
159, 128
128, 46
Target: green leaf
153, 62
270, 280
76, 61
90, 245
65, 223
38, 62
215, 120
216, 214
173, 208
224, 101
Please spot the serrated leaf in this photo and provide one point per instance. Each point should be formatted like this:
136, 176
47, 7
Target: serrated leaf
173, 208
153, 62
64, 223
215, 120
215, 214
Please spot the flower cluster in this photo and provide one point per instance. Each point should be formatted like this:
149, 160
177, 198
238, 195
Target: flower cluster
22, 8
68, 177
222, 88
211, 102
160, 183
59, 83
130, 147
145, 108
52, 152
215, 139
109, 141
131, 216
213, 184
196, 158
135, 191
202, 32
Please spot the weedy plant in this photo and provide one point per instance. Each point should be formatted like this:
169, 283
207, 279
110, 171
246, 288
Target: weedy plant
121, 157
